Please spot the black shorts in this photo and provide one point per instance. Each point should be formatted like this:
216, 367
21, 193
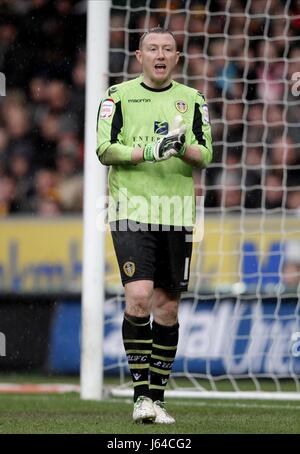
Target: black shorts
162, 256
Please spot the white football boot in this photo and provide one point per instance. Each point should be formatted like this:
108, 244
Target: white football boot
143, 411
162, 416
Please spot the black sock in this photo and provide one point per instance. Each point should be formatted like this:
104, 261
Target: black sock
164, 347
137, 339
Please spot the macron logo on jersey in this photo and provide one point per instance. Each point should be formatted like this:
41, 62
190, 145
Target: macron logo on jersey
161, 127
140, 100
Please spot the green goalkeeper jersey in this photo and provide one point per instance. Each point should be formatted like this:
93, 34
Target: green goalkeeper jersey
133, 114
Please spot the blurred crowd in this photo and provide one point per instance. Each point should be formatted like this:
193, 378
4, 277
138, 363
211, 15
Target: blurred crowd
241, 54
42, 54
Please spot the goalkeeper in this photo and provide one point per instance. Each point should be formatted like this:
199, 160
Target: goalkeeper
151, 132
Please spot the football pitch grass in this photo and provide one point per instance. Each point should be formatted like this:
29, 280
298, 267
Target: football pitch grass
68, 414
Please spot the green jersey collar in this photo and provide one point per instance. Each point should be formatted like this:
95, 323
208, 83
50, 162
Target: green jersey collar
156, 89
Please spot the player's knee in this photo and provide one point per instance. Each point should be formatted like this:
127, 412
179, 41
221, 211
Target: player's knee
138, 299
139, 293
138, 307
168, 312
166, 300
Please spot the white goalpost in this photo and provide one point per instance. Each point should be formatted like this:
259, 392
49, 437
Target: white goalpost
240, 321
91, 371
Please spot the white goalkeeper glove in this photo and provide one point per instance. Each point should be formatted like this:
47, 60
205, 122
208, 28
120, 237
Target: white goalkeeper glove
173, 144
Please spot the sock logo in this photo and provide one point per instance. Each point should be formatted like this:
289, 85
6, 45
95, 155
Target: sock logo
164, 381
137, 376
135, 358
163, 364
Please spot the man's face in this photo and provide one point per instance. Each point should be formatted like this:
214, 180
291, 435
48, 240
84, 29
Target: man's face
158, 57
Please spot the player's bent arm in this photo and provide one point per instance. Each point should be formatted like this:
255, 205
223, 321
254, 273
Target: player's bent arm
118, 154
168, 146
199, 152
197, 155
111, 149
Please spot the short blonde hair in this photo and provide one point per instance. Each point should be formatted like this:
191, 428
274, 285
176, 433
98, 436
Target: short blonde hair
156, 30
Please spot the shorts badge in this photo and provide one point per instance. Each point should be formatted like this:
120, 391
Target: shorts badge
129, 268
181, 106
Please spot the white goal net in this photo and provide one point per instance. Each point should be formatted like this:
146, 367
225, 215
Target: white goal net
240, 321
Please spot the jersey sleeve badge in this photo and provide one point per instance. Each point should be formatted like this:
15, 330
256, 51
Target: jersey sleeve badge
205, 113
107, 108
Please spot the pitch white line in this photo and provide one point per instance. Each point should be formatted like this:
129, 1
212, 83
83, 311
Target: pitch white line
36, 388
223, 405
238, 405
